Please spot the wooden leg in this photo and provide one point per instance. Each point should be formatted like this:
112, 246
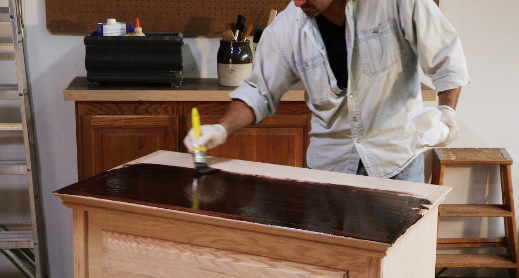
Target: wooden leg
510, 222
437, 174
80, 232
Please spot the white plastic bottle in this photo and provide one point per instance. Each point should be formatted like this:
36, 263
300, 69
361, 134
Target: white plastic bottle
138, 28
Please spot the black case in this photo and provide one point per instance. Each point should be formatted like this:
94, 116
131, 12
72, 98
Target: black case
156, 58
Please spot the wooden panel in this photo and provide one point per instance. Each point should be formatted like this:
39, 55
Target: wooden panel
278, 140
125, 108
193, 18
254, 243
124, 253
109, 141
283, 146
414, 254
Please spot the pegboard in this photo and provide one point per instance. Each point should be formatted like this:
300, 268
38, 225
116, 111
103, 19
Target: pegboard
191, 17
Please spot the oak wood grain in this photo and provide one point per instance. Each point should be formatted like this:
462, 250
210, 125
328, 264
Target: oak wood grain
124, 253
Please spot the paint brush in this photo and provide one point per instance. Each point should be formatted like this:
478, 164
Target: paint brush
231, 26
272, 16
200, 152
227, 35
240, 24
247, 31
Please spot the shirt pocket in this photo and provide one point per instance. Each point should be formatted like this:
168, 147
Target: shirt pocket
315, 77
378, 48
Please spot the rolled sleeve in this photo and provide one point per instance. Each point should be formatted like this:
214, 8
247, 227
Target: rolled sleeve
451, 78
270, 79
436, 43
254, 100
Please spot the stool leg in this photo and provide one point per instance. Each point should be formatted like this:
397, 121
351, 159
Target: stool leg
510, 222
437, 174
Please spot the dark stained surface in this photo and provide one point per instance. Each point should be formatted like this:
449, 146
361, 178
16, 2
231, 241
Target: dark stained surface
340, 210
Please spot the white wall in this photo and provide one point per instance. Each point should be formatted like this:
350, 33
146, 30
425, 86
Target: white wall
486, 112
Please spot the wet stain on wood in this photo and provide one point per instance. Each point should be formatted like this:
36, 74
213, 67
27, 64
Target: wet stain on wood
340, 210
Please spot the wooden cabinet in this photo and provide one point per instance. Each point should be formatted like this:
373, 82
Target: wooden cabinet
281, 139
112, 133
115, 125
251, 229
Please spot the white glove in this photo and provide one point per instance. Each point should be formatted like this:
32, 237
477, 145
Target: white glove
448, 118
210, 137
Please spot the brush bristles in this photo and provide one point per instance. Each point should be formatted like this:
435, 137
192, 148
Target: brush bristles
201, 163
227, 35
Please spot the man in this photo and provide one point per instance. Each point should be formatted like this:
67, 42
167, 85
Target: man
359, 61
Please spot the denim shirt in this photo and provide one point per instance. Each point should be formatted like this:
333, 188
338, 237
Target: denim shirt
386, 43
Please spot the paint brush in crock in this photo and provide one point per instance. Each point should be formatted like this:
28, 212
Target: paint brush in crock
199, 153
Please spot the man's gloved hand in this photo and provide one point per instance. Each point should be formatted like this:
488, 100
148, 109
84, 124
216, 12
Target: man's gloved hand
210, 137
448, 118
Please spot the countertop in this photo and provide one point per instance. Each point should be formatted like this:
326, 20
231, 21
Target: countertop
192, 89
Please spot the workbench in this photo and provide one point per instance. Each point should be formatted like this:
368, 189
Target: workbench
157, 217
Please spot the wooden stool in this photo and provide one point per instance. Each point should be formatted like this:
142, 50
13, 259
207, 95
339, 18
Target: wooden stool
470, 156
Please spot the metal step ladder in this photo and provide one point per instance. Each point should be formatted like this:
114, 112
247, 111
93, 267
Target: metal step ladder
22, 243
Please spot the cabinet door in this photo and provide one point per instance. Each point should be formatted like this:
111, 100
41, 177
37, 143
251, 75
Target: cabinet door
278, 140
111, 140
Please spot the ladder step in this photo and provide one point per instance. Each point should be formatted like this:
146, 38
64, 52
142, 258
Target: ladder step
9, 92
11, 126
7, 47
482, 210
16, 239
470, 242
4, 14
484, 261
15, 167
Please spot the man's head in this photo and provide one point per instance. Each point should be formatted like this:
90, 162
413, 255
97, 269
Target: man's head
313, 7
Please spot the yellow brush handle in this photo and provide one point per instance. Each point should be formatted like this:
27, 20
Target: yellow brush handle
195, 121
